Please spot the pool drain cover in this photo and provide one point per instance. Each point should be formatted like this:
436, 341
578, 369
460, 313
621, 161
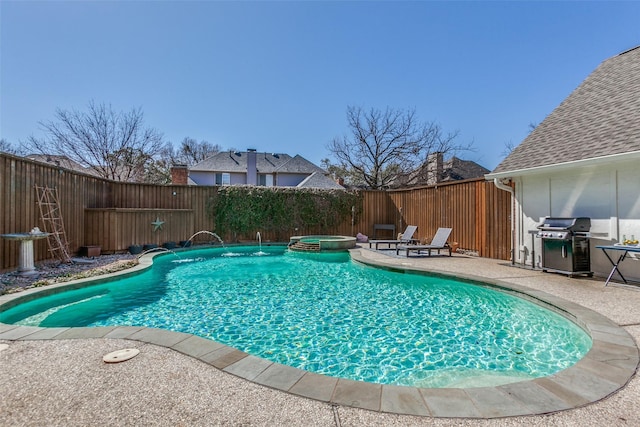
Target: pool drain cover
121, 355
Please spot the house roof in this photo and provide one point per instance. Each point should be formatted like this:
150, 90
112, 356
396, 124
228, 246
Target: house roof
429, 173
456, 169
600, 118
236, 161
319, 180
61, 161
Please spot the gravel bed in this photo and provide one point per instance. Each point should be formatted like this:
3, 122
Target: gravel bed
53, 271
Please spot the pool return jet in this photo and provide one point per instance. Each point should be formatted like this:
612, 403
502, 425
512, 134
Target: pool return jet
157, 249
218, 238
259, 239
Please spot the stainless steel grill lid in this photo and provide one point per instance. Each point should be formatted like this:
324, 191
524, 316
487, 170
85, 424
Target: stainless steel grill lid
576, 225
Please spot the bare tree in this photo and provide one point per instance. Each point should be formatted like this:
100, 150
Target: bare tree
387, 146
189, 153
336, 171
159, 170
5, 146
344, 171
192, 151
508, 148
115, 144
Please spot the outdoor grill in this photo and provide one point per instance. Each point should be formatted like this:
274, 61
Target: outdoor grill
565, 245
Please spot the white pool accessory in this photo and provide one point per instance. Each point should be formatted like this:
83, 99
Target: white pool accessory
121, 355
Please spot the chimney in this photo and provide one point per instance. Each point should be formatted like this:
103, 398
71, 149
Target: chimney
435, 168
179, 175
252, 167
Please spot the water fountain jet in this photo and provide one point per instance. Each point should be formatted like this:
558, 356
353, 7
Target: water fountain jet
190, 239
259, 238
157, 249
218, 238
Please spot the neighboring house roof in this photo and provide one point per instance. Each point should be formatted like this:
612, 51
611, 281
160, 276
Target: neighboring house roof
236, 161
600, 118
298, 164
456, 169
62, 162
319, 180
436, 170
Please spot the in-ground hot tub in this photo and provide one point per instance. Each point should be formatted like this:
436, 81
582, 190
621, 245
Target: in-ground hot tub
321, 243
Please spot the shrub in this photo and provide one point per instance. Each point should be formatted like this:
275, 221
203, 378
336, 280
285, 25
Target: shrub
247, 209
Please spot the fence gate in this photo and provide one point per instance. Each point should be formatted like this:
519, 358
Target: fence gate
51, 217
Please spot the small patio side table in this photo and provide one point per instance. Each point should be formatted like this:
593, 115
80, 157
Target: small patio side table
625, 249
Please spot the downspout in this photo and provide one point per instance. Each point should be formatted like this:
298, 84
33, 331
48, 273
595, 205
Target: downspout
502, 186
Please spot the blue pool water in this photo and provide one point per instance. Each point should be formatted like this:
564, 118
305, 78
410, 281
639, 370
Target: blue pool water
326, 314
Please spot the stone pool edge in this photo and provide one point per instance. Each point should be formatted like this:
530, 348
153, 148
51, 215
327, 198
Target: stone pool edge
607, 367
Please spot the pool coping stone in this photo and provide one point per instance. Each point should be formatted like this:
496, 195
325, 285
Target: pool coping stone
607, 367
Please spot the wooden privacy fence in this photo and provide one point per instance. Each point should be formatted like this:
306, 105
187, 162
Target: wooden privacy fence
115, 229
477, 211
114, 215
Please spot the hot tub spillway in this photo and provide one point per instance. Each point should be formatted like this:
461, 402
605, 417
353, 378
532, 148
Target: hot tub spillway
305, 247
321, 243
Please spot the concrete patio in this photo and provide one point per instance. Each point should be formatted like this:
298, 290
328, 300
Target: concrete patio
57, 376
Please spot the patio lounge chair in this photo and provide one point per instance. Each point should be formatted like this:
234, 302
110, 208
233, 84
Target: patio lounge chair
438, 243
406, 238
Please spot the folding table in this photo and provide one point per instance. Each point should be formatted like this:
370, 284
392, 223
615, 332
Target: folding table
625, 249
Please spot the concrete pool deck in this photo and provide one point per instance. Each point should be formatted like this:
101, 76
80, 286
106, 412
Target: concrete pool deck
56, 376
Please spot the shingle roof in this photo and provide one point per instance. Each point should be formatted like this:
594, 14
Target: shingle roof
453, 169
599, 118
318, 180
230, 161
61, 161
299, 164
456, 169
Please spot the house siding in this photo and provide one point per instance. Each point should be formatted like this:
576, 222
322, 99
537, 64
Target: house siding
209, 178
202, 178
290, 179
238, 179
582, 160
608, 195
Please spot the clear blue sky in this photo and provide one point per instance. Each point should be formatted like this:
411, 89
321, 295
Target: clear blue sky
278, 76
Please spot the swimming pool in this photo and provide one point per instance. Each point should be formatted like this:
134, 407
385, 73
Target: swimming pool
326, 314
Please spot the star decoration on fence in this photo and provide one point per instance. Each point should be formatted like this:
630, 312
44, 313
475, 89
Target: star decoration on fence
157, 224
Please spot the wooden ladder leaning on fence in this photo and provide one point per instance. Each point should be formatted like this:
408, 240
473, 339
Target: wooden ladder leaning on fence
51, 217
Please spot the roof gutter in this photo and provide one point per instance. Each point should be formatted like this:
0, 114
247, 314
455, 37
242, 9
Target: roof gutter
502, 186
584, 163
